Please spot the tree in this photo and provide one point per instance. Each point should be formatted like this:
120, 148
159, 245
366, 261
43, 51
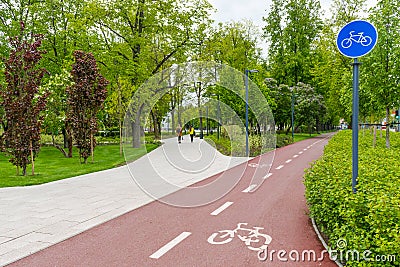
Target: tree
85, 99
55, 115
331, 71
310, 107
22, 102
143, 37
235, 44
117, 102
281, 107
382, 64
292, 27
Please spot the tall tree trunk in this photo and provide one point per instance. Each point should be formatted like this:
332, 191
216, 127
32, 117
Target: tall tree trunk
120, 137
157, 132
200, 116
387, 128
288, 129
120, 114
136, 134
91, 147
159, 129
24, 169
179, 114
65, 137
61, 149
32, 159
374, 141
136, 128
172, 121
69, 141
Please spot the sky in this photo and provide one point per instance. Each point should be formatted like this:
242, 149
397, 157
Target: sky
228, 10
255, 10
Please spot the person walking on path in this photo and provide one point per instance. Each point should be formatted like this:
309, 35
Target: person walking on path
179, 133
191, 132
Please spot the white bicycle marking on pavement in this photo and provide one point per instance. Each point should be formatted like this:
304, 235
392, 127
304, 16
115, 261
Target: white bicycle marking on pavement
247, 235
256, 165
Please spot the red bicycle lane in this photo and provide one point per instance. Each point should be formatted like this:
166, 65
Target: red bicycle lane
162, 235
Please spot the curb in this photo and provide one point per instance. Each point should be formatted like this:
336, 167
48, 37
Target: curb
323, 241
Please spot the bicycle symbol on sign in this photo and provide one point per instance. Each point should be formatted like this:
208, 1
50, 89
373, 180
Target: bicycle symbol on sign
358, 38
248, 236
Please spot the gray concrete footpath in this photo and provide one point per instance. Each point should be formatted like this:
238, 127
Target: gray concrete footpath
35, 217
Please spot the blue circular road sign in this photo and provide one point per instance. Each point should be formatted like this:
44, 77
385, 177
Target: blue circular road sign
357, 38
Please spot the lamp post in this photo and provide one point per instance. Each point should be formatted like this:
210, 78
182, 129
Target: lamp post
218, 113
207, 122
246, 82
198, 93
397, 118
218, 118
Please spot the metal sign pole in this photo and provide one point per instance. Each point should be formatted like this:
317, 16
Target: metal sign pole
355, 124
354, 40
398, 120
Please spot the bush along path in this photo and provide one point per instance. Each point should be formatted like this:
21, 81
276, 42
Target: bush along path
362, 229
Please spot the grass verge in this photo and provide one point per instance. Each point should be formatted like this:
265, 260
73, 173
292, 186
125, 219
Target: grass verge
51, 165
224, 146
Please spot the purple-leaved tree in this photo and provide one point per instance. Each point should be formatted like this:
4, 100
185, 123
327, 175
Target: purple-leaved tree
85, 98
22, 101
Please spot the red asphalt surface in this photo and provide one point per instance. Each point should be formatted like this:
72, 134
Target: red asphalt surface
278, 205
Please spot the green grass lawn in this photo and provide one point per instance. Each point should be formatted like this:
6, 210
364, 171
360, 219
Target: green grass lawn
51, 165
303, 136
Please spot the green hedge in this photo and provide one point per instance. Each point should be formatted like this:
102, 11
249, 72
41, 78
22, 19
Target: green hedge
283, 140
369, 219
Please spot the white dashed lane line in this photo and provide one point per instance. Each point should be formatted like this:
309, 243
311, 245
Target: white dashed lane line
301, 152
279, 167
170, 245
248, 189
221, 209
288, 161
295, 156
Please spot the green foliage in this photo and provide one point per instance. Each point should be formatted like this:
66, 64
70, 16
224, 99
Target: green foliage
309, 105
283, 140
55, 117
85, 99
22, 101
51, 165
149, 139
369, 219
291, 27
382, 92
281, 107
223, 145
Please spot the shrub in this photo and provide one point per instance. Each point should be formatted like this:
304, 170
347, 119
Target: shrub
369, 219
283, 140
